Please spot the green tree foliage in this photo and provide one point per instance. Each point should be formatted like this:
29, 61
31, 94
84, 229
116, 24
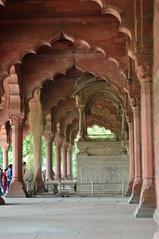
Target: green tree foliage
28, 150
96, 130
9, 156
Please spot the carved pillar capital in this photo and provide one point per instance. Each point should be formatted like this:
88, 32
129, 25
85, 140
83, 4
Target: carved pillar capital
136, 111
81, 107
128, 116
5, 147
146, 86
144, 70
64, 144
48, 138
57, 140
134, 103
144, 73
69, 148
17, 120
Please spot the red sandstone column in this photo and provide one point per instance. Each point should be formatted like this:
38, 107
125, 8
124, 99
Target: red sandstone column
49, 170
57, 159
64, 160
69, 161
37, 163
135, 196
17, 187
147, 200
82, 130
5, 157
131, 157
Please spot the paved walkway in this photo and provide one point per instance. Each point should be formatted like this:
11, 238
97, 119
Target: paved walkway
72, 218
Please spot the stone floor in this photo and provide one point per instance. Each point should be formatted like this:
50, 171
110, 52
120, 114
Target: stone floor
72, 218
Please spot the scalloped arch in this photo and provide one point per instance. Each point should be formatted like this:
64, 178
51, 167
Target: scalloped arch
99, 2
108, 10
111, 9
104, 94
2, 2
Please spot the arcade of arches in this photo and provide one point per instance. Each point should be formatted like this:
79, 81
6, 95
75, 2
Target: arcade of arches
68, 65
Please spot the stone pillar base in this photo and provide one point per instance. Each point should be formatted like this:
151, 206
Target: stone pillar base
130, 187
17, 190
147, 205
136, 191
156, 235
143, 211
57, 178
39, 187
2, 202
156, 219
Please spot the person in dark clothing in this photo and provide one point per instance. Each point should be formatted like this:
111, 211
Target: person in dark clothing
9, 174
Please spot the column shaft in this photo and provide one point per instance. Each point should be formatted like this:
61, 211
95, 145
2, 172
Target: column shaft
137, 184
82, 131
49, 170
17, 187
69, 162
131, 157
64, 161
57, 160
148, 198
5, 157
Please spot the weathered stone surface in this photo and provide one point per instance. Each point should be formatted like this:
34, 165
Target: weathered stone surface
70, 218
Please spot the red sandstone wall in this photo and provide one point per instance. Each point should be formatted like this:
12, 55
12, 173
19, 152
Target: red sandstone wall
156, 94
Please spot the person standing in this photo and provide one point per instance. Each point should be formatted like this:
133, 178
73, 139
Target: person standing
4, 182
1, 172
9, 174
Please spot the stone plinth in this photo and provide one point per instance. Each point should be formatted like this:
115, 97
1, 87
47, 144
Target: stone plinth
2, 202
102, 169
156, 219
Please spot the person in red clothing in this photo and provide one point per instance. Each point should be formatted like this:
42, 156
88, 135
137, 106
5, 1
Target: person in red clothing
4, 181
